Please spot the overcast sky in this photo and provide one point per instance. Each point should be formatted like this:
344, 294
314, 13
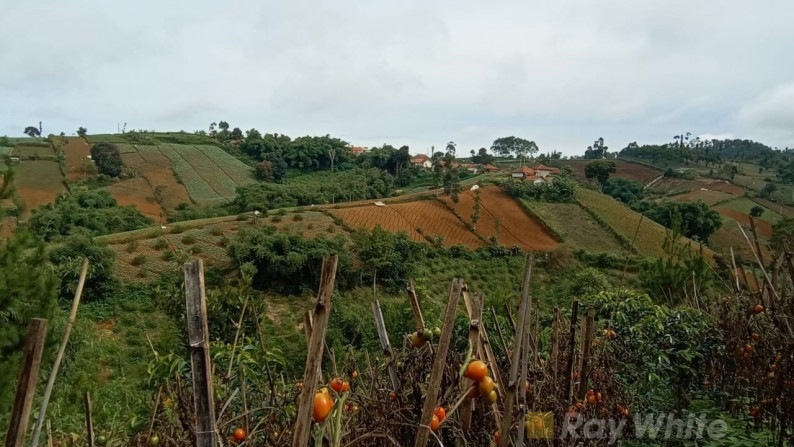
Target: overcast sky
420, 73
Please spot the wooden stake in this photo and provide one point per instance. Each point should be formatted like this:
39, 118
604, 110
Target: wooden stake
59, 358
307, 325
198, 346
510, 318
501, 337
420, 321
386, 345
512, 385
26, 385
584, 374
314, 357
89, 422
437, 372
734, 273
474, 308
49, 434
572, 348
555, 343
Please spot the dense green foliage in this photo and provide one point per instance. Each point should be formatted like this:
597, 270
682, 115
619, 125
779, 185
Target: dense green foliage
67, 259
698, 221
303, 153
356, 184
519, 147
600, 170
291, 263
107, 159
664, 348
559, 190
707, 151
625, 190
27, 290
597, 150
94, 210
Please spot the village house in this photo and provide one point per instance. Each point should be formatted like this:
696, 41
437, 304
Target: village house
523, 172
358, 150
490, 168
422, 161
544, 171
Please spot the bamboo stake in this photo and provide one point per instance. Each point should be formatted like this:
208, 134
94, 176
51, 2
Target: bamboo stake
420, 321
555, 343
501, 336
35, 339
437, 372
589, 326
572, 348
314, 357
734, 273
385, 344
474, 308
510, 393
89, 423
59, 358
49, 434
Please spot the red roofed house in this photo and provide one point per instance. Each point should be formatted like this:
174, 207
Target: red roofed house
422, 160
357, 150
491, 168
544, 171
523, 172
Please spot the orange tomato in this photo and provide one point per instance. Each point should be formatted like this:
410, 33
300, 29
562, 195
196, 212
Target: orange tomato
336, 384
491, 397
598, 397
354, 375
476, 371
486, 386
441, 413
756, 337
434, 423
239, 434
758, 308
322, 406
579, 405
345, 386
748, 348
591, 400
392, 395
496, 437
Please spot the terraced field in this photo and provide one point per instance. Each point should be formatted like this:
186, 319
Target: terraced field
76, 152
38, 182
503, 218
577, 227
624, 169
624, 221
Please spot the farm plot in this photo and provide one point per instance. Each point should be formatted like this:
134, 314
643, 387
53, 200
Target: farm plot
432, 217
624, 169
105, 138
207, 242
199, 190
34, 151
156, 168
76, 152
704, 195
578, 228
210, 171
238, 171
503, 218
624, 221
38, 182
137, 192
743, 205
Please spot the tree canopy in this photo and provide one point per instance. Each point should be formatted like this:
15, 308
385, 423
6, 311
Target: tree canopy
625, 190
519, 147
698, 221
107, 159
600, 170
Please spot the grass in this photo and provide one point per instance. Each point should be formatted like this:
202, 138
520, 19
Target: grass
744, 205
651, 235
576, 227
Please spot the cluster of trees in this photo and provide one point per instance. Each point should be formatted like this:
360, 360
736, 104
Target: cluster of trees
519, 147
304, 153
697, 220
597, 151
628, 191
355, 184
107, 159
560, 190
290, 263
600, 170
684, 150
93, 210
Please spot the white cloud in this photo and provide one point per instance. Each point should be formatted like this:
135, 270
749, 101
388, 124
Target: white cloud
771, 114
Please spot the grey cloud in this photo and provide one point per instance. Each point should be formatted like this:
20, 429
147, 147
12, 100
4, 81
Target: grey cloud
405, 72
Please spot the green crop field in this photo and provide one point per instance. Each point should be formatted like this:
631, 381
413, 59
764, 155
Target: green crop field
577, 228
624, 221
105, 138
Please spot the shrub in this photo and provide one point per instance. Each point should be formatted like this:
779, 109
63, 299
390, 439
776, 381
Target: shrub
168, 256
297, 217
281, 212
275, 218
216, 231
138, 260
107, 159
160, 244
196, 249
189, 239
331, 228
242, 217
131, 246
177, 229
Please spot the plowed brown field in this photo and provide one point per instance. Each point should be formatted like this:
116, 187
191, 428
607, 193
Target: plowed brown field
624, 169
429, 215
76, 151
764, 227
156, 168
515, 227
137, 192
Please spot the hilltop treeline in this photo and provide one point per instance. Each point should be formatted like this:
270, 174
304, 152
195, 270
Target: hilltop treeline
708, 151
